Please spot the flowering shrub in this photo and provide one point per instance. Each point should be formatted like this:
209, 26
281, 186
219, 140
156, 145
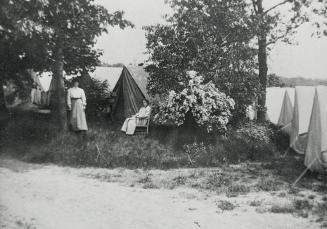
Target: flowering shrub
210, 107
255, 132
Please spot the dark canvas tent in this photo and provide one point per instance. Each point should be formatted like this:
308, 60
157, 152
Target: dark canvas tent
130, 90
128, 83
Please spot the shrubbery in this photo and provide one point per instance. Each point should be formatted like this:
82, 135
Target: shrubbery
163, 148
209, 107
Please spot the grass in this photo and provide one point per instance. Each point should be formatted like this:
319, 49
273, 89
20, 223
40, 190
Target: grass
225, 205
282, 208
169, 159
237, 189
256, 203
31, 137
268, 184
302, 207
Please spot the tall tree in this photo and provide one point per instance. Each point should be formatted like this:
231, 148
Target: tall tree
75, 25
67, 31
270, 26
18, 43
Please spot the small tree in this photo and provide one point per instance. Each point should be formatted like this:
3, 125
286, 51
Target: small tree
209, 107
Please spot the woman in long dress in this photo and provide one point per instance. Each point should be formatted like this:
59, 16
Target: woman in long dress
76, 101
129, 125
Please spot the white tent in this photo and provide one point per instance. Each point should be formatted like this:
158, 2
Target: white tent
111, 74
286, 112
38, 95
274, 102
304, 97
45, 79
316, 150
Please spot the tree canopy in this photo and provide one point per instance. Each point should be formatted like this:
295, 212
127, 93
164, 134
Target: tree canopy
210, 37
55, 35
31, 29
227, 42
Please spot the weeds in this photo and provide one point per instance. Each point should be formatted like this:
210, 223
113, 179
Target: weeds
256, 203
217, 180
237, 189
225, 205
268, 185
282, 208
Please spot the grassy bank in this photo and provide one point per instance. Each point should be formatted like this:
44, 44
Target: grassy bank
244, 161
30, 136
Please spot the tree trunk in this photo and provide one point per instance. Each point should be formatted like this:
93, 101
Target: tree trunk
60, 113
4, 115
263, 68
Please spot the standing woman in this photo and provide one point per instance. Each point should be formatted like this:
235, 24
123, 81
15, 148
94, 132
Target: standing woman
76, 101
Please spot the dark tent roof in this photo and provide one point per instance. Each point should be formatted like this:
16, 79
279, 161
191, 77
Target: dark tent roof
129, 90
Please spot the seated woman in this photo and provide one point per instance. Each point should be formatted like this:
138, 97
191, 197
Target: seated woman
129, 125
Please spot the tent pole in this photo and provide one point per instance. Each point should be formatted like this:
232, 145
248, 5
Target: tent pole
303, 173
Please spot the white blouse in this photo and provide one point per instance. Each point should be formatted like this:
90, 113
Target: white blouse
144, 112
75, 93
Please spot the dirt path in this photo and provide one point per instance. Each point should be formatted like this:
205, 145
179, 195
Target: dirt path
54, 197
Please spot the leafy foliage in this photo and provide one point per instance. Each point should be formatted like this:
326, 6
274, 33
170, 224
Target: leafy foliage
210, 37
275, 81
255, 132
30, 31
52, 35
209, 107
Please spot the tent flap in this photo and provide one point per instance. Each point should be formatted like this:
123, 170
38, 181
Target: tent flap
275, 102
286, 112
316, 149
304, 97
129, 96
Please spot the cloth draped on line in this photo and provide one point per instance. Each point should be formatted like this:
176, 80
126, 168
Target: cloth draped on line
129, 125
76, 101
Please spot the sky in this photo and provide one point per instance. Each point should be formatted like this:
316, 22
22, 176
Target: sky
306, 59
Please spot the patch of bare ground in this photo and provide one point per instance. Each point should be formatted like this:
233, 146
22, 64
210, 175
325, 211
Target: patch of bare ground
230, 197
246, 186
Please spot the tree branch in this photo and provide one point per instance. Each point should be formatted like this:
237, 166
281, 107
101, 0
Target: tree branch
275, 6
274, 40
254, 3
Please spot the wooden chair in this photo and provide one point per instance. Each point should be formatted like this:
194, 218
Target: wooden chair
142, 125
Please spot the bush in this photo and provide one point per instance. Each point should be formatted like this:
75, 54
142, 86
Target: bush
255, 139
225, 205
209, 107
279, 137
251, 142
